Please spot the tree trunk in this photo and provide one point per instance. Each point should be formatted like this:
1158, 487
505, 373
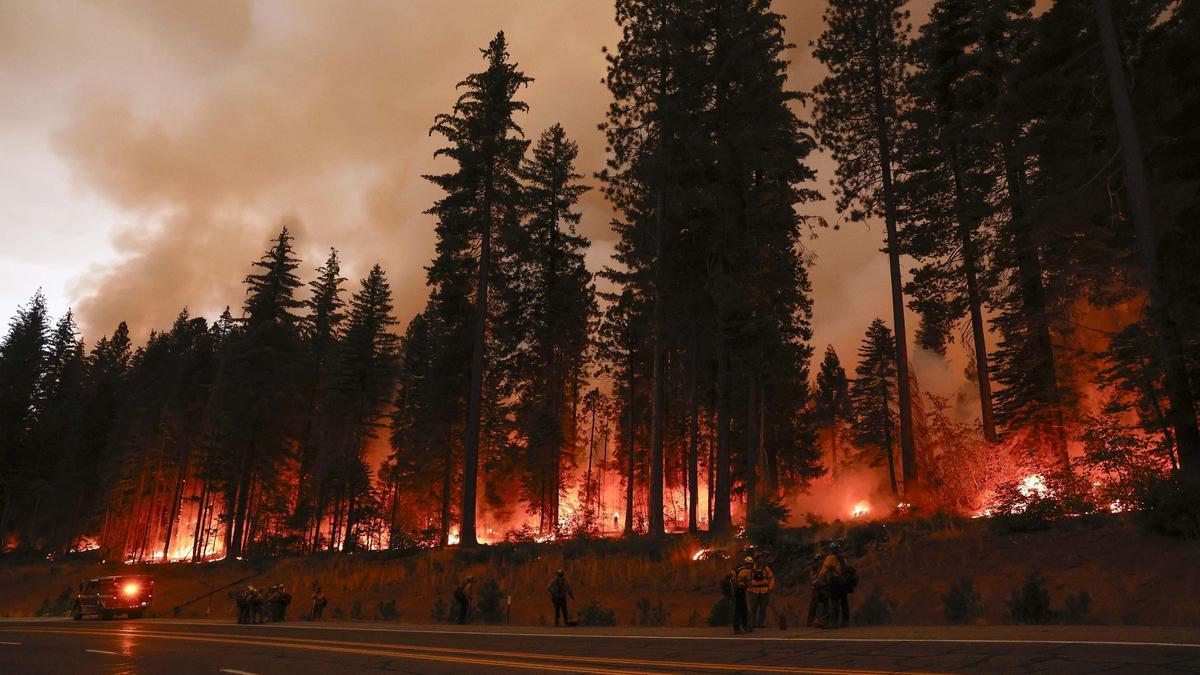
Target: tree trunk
658, 386
908, 453
966, 227
467, 536
887, 443
722, 519
750, 461
1033, 297
631, 453
693, 460
1182, 414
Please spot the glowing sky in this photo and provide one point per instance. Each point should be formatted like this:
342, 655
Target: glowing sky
151, 148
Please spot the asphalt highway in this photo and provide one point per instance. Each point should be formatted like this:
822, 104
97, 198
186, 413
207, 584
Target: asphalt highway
300, 648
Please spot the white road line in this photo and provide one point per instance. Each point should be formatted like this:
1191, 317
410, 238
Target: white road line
10, 643
231, 671
740, 638
101, 651
607, 636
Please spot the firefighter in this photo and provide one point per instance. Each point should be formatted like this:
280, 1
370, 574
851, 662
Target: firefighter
278, 600
836, 580
243, 605
559, 591
742, 576
817, 607
319, 602
462, 595
256, 605
762, 582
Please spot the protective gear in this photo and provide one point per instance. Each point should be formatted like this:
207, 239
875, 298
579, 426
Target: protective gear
748, 559
835, 546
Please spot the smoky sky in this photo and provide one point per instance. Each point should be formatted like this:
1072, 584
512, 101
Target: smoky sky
153, 148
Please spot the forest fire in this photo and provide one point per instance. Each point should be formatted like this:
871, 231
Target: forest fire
860, 509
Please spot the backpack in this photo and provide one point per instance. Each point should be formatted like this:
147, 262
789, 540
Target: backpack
759, 574
727, 585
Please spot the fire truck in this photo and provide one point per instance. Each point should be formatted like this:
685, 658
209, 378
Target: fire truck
107, 596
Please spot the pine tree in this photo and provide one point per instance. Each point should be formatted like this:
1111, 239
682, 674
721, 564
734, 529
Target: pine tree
258, 390
872, 394
322, 328
858, 111
23, 354
548, 307
949, 168
833, 405
355, 397
481, 204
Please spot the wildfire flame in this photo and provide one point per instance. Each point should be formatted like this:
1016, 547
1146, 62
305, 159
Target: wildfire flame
860, 509
700, 555
1034, 485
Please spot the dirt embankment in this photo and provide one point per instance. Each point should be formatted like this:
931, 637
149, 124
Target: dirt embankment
1132, 577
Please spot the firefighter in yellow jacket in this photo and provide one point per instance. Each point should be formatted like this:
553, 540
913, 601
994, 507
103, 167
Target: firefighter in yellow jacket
762, 582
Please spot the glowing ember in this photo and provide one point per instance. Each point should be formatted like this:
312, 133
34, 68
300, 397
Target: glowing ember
452, 536
860, 509
700, 555
903, 506
1117, 507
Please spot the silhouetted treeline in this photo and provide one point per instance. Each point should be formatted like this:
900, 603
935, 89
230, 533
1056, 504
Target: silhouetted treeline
1041, 172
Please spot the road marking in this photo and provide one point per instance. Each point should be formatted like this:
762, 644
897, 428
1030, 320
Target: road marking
101, 651
10, 643
231, 671
609, 636
534, 661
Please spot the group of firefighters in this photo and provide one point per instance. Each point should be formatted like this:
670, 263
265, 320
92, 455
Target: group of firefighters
749, 586
257, 606
751, 583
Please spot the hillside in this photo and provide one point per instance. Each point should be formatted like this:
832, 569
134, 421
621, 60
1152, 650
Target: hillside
913, 563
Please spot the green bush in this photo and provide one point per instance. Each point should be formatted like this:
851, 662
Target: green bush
1078, 609
722, 612
651, 615
962, 603
387, 611
876, 609
595, 614
491, 601
1030, 604
59, 606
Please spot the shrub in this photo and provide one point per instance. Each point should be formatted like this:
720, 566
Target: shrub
648, 615
491, 601
1022, 507
876, 609
595, 614
57, 607
1078, 608
962, 603
387, 611
764, 525
1030, 604
1169, 507
721, 613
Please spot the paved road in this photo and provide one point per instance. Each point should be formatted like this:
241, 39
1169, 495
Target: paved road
179, 647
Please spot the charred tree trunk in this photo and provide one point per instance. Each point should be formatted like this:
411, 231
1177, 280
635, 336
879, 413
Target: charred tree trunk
966, 227
908, 453
693, 459
631, 453
722, 518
